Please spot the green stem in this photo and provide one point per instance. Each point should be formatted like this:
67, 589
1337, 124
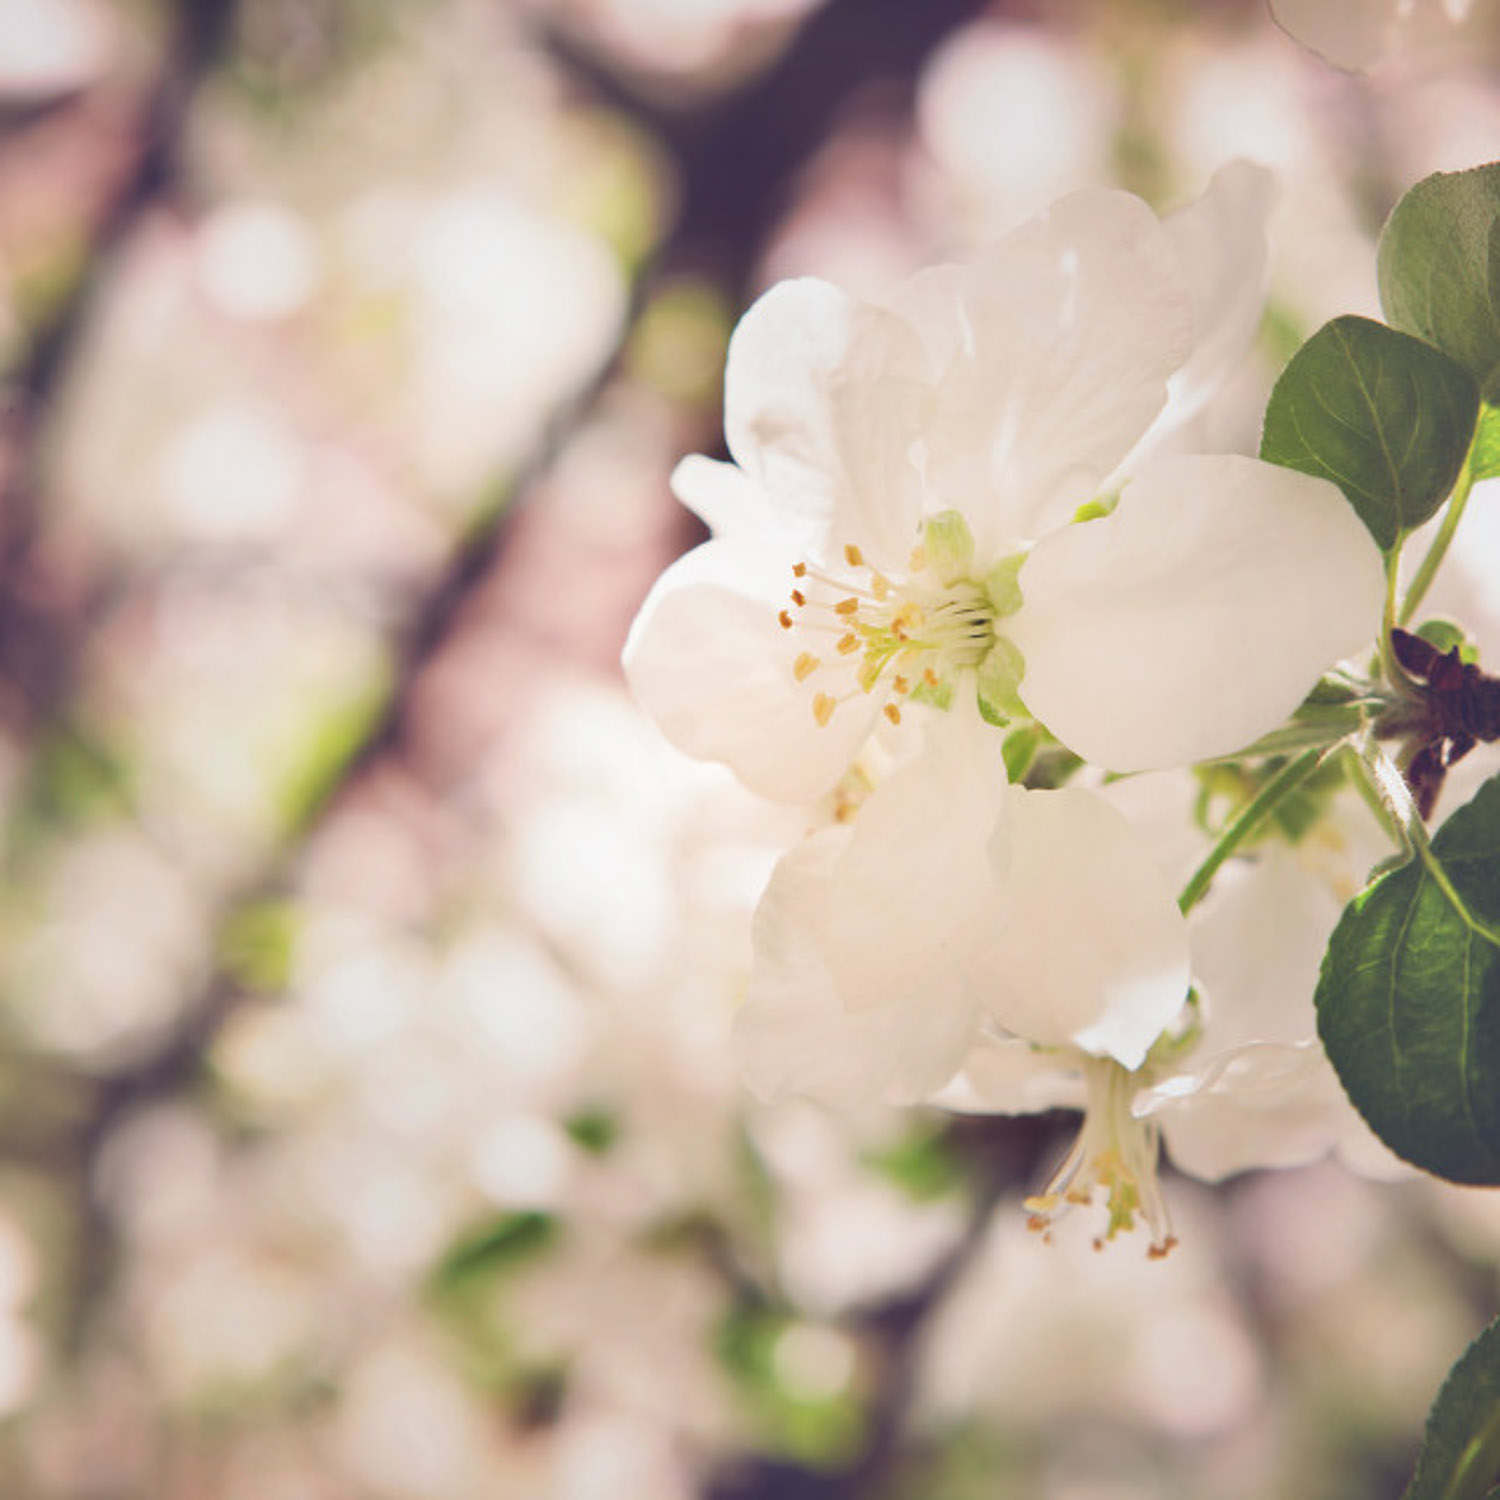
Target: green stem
1389, 666
1337, 722
1422, 580
1386, 791
1286, 780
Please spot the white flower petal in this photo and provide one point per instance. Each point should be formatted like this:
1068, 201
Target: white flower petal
1258, 1091
822, 403
726, 500
796, 1036
1197, 615
912, 916
1225, 258
1352, 34
1015, 1078
1284, 915
1095, 949
708, 661
1058, 348
1294, 1115
793, 1035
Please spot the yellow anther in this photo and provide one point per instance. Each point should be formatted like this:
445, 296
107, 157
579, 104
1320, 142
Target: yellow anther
892, 713
929, 677
805, 666
900, 684
799, 570
846, 607
880, 585
784, 619
848, 643
907, 618
823, 707
852, 555
798, 598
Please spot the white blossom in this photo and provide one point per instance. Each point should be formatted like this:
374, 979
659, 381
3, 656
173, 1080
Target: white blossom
900, 512
961, 917
1240, 1080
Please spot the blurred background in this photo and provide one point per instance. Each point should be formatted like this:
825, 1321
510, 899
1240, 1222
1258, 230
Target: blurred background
367, 1124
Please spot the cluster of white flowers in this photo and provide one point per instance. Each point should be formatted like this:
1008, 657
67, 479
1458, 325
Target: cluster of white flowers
962, 512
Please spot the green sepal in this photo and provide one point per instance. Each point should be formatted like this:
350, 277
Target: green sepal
1460, 1454
1000, 676
1383, 415
934, 695
1409, 1000
1438, 265
949, 545
1020, 748
991, 715
1053, 767
1002, 586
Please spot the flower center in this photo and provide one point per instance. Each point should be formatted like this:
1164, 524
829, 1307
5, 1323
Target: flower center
1115, 1153
904, 638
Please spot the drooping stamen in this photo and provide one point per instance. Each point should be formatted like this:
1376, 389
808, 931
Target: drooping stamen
1114, 1152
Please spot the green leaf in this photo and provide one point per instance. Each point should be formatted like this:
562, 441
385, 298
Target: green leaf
1484, 456
493, 1247
1443, 635
1460, 1457
817, 1429
1386, 417
593, 1128
922, 1163
1439, 267
1409, 1000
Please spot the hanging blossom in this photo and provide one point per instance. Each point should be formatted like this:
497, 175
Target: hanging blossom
996, 949
964, 484
961, 921
1239, 1080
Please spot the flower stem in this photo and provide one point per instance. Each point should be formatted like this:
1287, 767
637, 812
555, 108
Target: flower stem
1422, 581
1390, 668
1286, 780
1385, 789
